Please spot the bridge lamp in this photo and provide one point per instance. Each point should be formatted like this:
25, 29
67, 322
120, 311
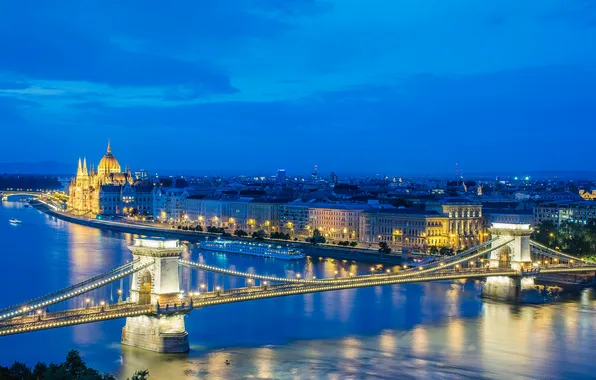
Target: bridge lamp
405, 266
420, 268
351, 274
217, 288
119, 291
388, 271
202, 286
314, 277
298, 275
571, 261
456, 266
441, 264
38, 312
102, 303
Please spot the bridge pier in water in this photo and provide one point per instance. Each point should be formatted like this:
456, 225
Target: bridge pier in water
157, 285
514, 255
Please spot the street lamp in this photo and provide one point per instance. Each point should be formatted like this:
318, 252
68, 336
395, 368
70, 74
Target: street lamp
298, 275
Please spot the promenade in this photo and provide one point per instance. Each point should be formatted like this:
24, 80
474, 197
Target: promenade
327, 251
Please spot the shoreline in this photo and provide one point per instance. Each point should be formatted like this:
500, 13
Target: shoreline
339, 253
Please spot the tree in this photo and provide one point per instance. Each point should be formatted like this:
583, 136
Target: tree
433, 250
446, 251
259, 235
353, 244
74, 365
546, 234
317, 238
140, 375
384, 248
240, 233
199, 228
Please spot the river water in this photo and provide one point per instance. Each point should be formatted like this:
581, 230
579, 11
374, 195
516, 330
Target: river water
433, 330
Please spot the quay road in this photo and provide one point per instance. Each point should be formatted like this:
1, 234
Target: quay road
326, 251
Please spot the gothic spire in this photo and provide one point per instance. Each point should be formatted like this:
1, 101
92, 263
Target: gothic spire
109, 147
80, 168
85, 166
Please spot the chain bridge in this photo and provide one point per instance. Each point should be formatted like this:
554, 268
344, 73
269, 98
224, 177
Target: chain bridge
156, 304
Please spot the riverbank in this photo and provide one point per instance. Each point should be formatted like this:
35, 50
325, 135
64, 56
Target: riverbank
339, 253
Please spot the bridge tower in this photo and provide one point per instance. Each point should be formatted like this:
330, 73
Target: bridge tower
515, 254
158, 284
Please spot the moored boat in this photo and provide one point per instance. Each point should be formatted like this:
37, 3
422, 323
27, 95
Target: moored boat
277, 251
14, 221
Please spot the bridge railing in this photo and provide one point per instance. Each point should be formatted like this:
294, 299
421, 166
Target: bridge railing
556, 254
80, 284
74, 290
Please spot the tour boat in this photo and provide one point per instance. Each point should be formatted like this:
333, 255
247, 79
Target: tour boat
14, 221
277, 251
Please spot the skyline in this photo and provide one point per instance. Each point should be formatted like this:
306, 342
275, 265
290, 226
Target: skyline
395, 88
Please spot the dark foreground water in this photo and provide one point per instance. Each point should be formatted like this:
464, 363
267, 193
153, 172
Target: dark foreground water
433, 330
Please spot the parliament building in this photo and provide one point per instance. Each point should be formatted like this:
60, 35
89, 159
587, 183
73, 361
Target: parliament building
108, 190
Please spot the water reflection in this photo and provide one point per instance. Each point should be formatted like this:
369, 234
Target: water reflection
433, 330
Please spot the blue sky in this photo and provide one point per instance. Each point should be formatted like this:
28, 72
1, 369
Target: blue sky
249, 86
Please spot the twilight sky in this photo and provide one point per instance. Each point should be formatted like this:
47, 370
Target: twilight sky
249, 86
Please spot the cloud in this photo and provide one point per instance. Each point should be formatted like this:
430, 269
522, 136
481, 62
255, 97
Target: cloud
425, 121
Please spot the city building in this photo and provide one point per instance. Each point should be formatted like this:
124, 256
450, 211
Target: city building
169, 204
337, 222
105, 191
454, 222
294, 219
281, 175
565, 211
588, 195
399, 228
509, 216
332, 177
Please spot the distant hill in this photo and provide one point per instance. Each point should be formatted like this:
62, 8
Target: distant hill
42, 167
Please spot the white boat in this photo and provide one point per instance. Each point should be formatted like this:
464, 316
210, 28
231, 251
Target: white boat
14, 221
277, 251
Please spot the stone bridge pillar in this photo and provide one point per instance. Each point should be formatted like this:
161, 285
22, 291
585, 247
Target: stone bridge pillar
156, 284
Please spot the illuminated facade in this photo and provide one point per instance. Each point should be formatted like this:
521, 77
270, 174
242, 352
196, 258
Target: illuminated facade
587, 195
455, 223
105, 191
337, 222
400, 228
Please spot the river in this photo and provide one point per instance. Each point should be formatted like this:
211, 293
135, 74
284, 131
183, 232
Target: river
433, 330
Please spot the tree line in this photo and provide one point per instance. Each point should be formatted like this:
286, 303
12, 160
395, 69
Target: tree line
573, 238
73, 368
